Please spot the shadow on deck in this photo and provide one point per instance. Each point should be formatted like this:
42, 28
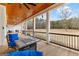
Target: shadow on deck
55, 50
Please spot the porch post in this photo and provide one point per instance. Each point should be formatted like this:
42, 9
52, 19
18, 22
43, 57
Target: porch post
47, 27
26, 25
3, 29
34, 27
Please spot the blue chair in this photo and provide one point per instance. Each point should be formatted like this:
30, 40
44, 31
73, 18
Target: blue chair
12, 38
26, 53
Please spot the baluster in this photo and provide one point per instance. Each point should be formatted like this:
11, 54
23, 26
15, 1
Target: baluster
76, 42
57, 38
60, 39
69, 41
73, 42
66, 40
63, 40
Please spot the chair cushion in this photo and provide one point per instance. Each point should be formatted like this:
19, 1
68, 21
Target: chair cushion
26, 53
12, 39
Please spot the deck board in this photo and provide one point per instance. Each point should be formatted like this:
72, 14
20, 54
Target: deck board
53, 50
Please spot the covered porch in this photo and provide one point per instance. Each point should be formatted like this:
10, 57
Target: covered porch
23, 19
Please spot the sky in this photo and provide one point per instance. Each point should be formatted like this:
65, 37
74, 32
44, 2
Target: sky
73, 7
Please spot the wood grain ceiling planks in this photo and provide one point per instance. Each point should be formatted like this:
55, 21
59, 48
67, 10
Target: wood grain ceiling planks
17, 13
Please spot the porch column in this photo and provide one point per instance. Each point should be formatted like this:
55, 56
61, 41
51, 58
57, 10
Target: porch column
34, 27
3, 29
47, 27
21, 26
26, 25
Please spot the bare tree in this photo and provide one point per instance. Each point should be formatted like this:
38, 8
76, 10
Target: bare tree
65, 13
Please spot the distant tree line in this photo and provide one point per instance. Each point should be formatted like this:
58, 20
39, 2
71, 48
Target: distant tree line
72, 23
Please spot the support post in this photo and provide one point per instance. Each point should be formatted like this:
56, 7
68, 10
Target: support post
47, 27
3, 29
26, 25
34, 27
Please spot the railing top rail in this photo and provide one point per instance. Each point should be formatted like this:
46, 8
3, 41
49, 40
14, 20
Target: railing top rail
56, 33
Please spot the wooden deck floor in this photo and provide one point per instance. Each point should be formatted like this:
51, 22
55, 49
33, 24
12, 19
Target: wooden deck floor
55, 50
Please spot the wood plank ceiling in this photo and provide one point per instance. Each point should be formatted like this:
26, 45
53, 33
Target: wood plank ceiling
17, 12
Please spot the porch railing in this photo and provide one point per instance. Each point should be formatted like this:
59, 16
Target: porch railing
67, 40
